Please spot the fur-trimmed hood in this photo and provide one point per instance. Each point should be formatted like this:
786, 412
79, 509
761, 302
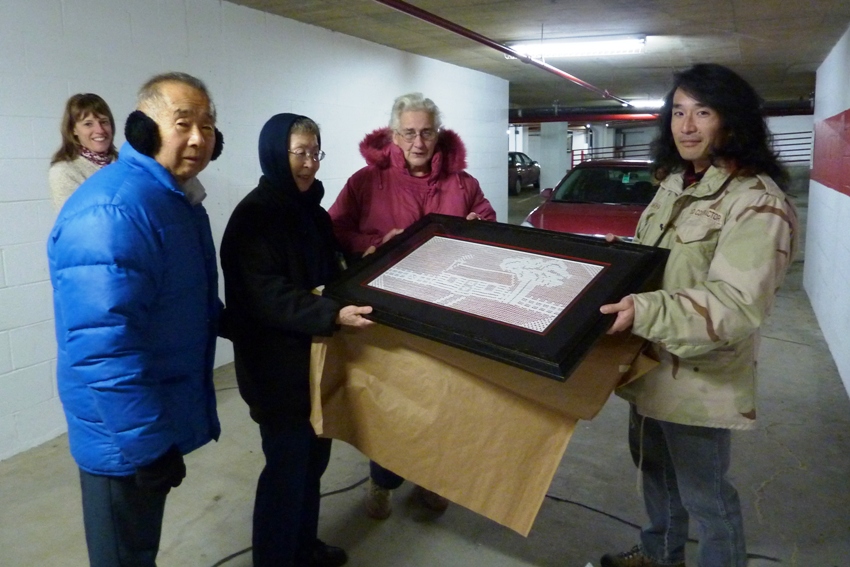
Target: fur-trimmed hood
378, 149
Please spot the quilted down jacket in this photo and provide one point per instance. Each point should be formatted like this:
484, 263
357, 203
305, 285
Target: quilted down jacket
134, 278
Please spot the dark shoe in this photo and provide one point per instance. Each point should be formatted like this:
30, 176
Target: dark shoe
633, 558
325, 555
431, 500
378, 504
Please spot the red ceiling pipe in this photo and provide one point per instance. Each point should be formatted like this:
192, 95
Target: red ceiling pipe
467, 33
582, 118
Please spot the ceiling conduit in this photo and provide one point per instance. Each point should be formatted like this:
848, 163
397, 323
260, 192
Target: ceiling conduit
469, 34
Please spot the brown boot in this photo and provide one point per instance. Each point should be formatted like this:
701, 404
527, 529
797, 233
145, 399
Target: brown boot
633, 558
378, 504
431, 500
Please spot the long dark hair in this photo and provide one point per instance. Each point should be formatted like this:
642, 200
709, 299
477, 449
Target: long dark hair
78, 106
744, 144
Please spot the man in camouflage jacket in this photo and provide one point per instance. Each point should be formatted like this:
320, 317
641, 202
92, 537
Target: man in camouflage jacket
732, 233
730, 242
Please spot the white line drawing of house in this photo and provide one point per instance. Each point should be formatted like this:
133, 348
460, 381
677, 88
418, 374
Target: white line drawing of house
498, 283
510, 285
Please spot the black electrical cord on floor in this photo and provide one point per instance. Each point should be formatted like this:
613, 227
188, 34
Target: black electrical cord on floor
331, 493
231, 556
592, 509
347, 488
549, 496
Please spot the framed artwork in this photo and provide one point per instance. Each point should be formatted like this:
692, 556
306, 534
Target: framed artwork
523, 296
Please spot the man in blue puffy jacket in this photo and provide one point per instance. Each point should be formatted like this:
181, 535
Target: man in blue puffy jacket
133, 268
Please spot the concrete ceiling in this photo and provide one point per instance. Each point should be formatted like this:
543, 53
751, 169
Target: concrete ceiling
775, 44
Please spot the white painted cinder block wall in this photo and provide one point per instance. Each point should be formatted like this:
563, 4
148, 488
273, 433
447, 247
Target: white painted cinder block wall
256, 65
827, 269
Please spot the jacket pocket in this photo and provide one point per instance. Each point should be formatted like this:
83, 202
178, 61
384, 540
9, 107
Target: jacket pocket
697, 229
693, 251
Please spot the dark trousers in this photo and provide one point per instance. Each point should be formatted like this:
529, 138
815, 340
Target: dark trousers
123, 523
384, 478
286, 509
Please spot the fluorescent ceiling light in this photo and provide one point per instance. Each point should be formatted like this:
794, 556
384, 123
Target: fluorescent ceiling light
647, 103
590, 47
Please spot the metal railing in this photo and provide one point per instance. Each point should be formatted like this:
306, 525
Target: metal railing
639, 151
792, 147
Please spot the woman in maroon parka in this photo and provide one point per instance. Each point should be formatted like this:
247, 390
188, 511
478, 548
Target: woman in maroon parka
414, 168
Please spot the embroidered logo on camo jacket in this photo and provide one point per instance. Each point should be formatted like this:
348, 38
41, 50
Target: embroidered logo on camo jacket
708, 214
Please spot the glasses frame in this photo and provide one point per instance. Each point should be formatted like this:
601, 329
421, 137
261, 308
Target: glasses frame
304, 155
410, 137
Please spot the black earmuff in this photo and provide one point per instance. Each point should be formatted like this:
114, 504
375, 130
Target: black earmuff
142, 132
219, 144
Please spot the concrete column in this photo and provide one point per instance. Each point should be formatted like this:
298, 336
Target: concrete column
554, 153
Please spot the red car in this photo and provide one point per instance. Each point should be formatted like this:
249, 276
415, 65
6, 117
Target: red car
597, 197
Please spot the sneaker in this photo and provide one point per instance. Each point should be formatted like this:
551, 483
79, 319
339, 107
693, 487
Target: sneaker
378, 504
431, 500
324, 555
633, 558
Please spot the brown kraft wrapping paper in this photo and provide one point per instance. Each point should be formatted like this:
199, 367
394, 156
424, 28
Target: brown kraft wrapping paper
481, 433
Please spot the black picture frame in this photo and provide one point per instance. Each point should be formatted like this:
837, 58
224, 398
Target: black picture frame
556, 351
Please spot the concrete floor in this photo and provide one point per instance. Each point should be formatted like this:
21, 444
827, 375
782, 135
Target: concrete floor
791, 472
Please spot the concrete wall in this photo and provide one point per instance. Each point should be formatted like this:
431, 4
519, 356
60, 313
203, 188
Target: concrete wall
532, 144
827, 267
640, 136
256, 65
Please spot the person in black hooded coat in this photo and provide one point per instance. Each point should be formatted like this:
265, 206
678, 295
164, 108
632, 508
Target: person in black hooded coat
277, 248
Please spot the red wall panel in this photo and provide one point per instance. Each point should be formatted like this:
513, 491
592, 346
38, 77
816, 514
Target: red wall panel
831, 154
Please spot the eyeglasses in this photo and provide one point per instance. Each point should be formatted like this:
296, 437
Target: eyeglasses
304, 155
410, 135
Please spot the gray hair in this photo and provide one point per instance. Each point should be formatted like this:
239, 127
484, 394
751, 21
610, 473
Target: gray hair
150, 94
304, 125
413, 102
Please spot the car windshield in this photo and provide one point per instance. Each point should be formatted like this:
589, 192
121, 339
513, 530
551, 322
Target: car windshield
616, 184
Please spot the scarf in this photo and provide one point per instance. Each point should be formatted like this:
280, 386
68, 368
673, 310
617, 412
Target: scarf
97, 158
690, 176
